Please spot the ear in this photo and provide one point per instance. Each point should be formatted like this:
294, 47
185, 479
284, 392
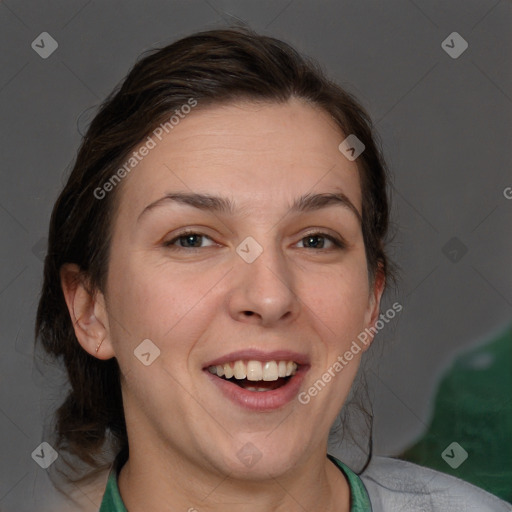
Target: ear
87, 312
373, 310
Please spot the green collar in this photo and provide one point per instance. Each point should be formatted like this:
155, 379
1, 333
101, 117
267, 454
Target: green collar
112, 501
359, 500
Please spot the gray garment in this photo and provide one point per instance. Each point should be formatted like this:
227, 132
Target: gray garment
398, 486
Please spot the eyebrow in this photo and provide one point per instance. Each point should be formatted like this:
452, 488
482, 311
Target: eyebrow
207, 202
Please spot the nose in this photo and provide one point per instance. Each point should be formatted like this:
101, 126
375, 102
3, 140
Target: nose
263, 292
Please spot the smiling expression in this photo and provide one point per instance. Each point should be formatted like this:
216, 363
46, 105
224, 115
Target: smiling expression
237, 249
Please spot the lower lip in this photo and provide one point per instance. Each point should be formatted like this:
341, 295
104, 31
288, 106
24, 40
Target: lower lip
260, 400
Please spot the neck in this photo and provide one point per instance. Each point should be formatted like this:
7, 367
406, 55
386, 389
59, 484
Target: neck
149, 481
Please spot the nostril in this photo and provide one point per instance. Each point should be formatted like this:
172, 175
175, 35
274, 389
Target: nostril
248, 313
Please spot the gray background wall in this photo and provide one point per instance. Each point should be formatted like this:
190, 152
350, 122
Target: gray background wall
446, 129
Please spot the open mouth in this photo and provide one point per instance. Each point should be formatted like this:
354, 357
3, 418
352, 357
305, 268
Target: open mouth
256, 376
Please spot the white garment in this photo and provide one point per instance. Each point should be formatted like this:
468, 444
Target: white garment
398, 486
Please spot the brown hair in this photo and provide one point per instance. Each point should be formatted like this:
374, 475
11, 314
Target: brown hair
211, 67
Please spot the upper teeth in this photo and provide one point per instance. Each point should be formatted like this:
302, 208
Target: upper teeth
255, 370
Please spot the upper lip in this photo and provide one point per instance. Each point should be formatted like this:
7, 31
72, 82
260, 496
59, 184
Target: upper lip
260, 355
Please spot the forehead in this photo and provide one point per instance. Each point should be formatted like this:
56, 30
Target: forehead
253, 152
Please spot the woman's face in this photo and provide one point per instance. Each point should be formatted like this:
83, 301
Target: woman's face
237, 241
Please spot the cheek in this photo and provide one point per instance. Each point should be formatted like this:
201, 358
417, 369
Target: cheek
158, 303
339, 299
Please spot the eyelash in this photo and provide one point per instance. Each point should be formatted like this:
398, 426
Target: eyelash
338, 243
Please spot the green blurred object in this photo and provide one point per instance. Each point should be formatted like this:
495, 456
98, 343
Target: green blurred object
473, 408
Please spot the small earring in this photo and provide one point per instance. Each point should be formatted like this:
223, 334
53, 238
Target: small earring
99, 345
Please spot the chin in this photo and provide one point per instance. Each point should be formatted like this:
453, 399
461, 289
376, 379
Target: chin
259, 458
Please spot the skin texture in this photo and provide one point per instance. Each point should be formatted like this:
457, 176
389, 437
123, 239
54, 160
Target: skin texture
197, 304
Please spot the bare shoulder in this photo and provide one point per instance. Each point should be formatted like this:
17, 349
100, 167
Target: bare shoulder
399, 485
